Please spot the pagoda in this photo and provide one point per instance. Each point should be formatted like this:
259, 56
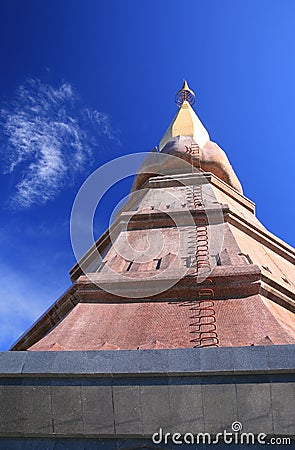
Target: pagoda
178, 327
185, 263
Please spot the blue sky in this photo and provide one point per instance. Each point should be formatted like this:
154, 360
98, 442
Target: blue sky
83, 82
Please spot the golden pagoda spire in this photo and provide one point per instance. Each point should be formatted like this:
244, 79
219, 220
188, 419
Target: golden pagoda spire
185, 94
186, 121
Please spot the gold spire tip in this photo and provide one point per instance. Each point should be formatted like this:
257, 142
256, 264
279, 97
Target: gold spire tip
185, 94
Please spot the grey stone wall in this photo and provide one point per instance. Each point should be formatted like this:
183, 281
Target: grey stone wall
123, 397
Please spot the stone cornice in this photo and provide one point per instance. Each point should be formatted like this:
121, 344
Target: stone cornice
264, 237
227, 282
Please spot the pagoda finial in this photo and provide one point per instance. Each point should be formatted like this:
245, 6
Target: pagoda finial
186, 121
185, 94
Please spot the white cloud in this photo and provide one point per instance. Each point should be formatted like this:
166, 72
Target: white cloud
48, 139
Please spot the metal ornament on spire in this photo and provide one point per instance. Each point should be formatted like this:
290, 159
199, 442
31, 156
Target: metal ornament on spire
185, 94
185, 121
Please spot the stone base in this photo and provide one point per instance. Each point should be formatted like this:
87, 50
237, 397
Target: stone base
125, 396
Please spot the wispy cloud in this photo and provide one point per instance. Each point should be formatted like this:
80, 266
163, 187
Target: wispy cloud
48, 138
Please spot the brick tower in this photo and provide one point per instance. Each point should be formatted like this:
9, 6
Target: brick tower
185, 264
179, 319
